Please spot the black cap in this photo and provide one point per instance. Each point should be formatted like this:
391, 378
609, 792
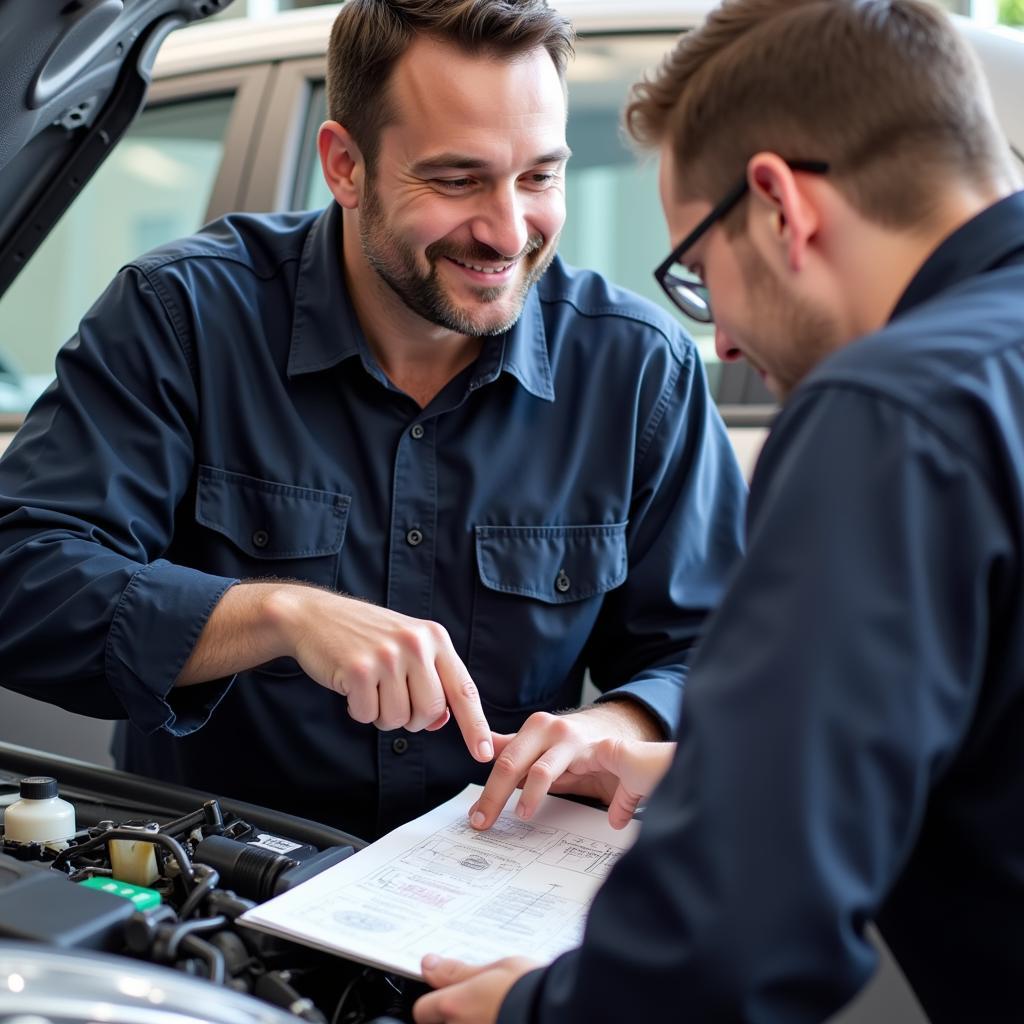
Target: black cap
38, 787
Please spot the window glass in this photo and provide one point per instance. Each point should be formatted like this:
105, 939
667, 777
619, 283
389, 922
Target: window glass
614, 222
155, 186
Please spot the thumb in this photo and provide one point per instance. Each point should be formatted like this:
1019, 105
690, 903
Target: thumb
439, 972
623, 807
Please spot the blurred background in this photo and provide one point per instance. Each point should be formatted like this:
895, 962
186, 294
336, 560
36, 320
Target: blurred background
1006, 12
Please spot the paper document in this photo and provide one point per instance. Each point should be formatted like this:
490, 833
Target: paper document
436, 885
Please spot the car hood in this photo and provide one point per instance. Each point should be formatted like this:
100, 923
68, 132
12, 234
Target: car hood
73, 76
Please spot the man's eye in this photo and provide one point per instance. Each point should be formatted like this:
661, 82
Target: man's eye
697, 270
542, 179
453, 184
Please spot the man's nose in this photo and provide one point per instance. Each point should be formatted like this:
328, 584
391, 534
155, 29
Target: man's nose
724, 347
501, 222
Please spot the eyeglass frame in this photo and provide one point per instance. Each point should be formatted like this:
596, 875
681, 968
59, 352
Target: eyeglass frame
663, 273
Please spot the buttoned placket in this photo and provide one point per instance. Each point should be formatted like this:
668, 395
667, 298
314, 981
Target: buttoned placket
411, 566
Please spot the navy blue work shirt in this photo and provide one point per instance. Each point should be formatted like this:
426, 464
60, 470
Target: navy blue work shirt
570, 500
853, 742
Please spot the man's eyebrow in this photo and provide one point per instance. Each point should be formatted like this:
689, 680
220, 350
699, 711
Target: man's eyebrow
461, 162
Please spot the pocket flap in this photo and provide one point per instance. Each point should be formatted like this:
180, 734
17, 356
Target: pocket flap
271, 520
554, 564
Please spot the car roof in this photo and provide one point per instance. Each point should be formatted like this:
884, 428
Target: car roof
304, 32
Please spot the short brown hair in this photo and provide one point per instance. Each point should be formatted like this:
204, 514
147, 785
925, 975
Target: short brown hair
885, 91
369, 36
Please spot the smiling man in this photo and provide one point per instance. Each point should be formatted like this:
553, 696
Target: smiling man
846, 211
309, 483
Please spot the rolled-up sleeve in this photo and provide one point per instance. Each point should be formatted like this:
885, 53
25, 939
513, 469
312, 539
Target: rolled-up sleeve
93, 619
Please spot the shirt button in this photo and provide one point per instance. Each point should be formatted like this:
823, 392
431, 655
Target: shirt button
400, 745
417, 431
414, 537
562, 582
260, 539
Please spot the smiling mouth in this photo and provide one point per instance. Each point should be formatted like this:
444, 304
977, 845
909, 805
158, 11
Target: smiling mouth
480, 269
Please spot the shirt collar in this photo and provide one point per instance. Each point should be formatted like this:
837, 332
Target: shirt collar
984, 242
326, 331
522, 351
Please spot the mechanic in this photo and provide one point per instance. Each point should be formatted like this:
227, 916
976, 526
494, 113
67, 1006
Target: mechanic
451, 472
851, 747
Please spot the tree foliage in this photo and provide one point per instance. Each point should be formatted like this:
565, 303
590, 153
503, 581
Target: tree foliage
1011, 12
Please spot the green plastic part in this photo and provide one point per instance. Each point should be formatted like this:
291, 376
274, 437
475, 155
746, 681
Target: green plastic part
144, 899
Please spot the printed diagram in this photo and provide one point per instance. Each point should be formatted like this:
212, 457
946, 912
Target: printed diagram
437, 885
530, 913
364, 922
540, 922
588, 856
511, 834
476, 866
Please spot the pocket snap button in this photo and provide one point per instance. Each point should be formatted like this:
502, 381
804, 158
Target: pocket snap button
260, 539
562, 582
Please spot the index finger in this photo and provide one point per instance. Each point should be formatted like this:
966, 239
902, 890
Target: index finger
464, 700
508, 772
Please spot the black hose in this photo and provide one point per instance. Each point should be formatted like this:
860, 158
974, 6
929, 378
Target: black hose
212, 956
205, 886
175, 935
136, 836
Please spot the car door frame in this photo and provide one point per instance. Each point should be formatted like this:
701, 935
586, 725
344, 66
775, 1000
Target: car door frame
250, 85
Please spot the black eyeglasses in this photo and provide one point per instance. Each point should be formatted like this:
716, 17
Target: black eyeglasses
683, 287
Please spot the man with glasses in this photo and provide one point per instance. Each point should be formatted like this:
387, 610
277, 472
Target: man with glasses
851, 744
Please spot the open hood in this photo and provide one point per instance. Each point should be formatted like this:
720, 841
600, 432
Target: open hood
73, 76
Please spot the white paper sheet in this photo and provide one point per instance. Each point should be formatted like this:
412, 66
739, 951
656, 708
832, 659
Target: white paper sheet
436, 885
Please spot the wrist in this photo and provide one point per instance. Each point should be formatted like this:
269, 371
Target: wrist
630, 719
280, 611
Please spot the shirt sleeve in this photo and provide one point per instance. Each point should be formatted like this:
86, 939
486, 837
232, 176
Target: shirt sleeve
684, 538
833, 690
94, 619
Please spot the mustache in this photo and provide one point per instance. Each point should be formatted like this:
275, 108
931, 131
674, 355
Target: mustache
480, 253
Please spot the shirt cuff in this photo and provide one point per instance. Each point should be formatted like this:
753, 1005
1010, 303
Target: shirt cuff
155, 627
518, 1005
662, 697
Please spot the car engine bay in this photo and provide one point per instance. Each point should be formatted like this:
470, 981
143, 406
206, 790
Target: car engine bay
134, 890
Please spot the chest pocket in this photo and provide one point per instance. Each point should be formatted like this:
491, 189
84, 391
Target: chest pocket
538, 594
272, 529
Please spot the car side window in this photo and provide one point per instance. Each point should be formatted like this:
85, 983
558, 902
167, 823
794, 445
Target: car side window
154, 187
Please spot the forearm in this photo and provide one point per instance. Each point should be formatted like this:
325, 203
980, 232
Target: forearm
248, 627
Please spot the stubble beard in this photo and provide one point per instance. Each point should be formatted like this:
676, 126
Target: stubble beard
797, 336
395, 263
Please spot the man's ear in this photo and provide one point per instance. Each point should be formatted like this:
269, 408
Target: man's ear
342, 163
786, 211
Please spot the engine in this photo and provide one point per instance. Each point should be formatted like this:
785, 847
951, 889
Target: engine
144, 891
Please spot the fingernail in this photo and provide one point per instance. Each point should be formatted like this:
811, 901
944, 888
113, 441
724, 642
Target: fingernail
430, 961
486, 750
477, 821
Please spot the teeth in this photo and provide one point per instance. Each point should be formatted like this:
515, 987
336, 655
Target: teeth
482, 270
